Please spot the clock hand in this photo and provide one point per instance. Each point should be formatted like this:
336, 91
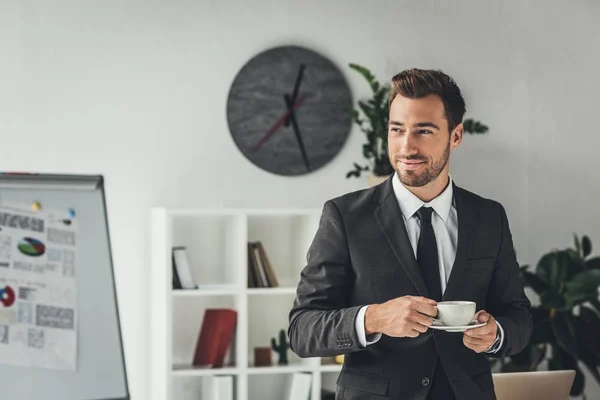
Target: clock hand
296, 87
279, 123
292, 118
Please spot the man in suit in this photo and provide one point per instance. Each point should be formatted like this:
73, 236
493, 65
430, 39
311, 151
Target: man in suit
383, 257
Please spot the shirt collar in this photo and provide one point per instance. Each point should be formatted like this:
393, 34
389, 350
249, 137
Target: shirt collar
409, 203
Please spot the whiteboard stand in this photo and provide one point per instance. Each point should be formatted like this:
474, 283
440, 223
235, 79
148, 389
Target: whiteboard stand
100, 372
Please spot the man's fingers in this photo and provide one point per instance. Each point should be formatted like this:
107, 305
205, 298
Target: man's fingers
482, 316
422, 299
474, 344
421, 319
473, 340
419, 327
413, 333
483, 331
426, 309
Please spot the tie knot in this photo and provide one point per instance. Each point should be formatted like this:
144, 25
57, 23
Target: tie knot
424, 213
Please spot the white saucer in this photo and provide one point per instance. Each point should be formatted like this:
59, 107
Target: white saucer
458, 328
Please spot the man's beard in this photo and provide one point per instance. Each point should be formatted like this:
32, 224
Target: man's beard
411, 178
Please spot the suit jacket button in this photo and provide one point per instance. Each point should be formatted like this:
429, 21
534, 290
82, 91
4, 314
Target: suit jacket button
425, 381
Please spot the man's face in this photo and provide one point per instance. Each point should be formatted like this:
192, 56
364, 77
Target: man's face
419, 143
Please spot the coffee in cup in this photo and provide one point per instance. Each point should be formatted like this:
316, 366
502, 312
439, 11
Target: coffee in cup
456, 313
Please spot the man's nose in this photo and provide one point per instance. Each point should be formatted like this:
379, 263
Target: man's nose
408, 145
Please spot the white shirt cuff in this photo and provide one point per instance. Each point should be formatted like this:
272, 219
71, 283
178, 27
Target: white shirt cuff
359, 324
498, 344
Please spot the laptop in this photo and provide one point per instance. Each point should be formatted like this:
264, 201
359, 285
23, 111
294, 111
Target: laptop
543, 385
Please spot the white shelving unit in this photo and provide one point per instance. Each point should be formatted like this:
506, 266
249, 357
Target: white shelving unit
216, 240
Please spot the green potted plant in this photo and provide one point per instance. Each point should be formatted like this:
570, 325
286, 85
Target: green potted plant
566, 328
372, 118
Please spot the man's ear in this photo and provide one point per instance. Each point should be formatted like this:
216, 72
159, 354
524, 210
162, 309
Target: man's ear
456, 136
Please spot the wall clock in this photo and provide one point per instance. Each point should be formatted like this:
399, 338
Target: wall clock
288, 110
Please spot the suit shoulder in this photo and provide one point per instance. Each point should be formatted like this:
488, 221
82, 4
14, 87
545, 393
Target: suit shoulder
479, 202
351, 200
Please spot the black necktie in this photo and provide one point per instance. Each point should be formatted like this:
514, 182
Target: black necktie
427, 255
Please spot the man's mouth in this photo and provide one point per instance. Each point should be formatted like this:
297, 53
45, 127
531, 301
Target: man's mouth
411, 164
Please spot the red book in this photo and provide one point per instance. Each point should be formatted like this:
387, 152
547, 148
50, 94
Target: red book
215, 337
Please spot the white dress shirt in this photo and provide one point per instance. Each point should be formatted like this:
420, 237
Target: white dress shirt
445, 225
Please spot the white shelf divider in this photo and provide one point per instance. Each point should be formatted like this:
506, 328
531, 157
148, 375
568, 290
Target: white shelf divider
217, 242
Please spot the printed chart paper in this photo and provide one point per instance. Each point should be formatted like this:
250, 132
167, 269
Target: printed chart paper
38, 288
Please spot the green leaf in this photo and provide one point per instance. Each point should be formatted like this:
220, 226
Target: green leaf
551, 299
472, 126
593, 263
357, 171
552, 268
539, 314
575, 264
565, 333
577, 243
596, 304
583, 286
586, 246
363, 71
542, 333
366, 73
367, 150
366, 109
356, 117
538, 285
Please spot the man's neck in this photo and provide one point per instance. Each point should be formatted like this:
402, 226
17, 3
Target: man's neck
432, 190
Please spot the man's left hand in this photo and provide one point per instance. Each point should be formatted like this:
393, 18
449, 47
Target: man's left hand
480, 339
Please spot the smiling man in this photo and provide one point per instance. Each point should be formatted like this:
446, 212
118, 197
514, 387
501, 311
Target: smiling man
383, 258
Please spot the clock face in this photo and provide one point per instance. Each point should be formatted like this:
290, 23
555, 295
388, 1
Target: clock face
289, 110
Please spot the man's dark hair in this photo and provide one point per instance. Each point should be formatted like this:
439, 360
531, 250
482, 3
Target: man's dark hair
417, 83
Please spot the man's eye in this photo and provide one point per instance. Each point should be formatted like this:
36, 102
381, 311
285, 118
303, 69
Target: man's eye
424, 132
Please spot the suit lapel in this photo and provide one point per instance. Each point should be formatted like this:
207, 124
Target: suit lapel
465, 225
389, 217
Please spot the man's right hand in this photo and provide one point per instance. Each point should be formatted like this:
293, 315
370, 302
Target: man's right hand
406, 316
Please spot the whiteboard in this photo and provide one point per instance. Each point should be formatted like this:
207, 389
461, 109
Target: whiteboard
101, 371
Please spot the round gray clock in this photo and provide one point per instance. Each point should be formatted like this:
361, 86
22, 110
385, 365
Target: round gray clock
288, 110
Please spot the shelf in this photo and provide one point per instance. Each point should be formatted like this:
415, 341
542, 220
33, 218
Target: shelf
216, 241
280, 369
190, 370
271, 291
208, 290
330, 368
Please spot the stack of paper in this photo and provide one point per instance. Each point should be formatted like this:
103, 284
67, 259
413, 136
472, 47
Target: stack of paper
217, 387
298, 387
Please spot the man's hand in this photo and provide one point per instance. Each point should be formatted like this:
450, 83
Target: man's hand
480, 339
406, 316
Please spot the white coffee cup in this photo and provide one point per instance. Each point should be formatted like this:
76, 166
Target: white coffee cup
455, 313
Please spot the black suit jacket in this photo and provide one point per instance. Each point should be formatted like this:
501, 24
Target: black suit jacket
361, 254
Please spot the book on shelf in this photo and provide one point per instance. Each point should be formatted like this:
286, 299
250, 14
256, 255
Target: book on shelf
218, 387
217, 335
182, 271
260, 270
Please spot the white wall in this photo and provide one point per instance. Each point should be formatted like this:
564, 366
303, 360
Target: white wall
137, 90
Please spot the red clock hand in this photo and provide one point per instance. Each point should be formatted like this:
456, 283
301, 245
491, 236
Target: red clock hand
279, 123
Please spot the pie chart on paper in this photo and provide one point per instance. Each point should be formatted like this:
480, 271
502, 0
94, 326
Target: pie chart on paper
31, 247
